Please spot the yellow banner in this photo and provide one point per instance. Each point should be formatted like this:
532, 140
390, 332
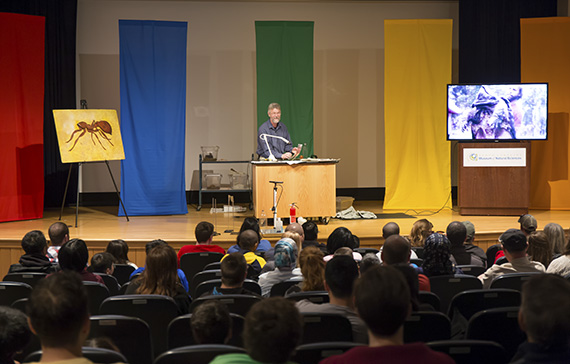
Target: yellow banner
417, 71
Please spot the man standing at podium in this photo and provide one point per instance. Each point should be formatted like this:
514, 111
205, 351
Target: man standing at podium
279, 148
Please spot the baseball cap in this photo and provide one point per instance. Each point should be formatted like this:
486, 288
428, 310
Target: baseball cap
470, 230
513, 240
528, 223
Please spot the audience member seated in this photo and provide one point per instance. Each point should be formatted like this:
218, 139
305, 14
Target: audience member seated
211, 323
312, 269
14, 333
103, 263
73, 256
397, 250
58, 235
515, 246
388, 230
234, 272
539, 248
411, 276
285, 263
369, 260
543, 315
59, 316
469, 246
204, 233
272, 331
293, 231
437, 253
421, 229
557, 238
528, 224
311, 232
339, 238
382, 300
561, 265
148, 247
457, 235
35, 260
340, 274
160, 278
251, 223
120, 250
248, 241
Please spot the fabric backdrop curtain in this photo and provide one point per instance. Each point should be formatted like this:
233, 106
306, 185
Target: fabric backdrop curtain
22, 103
417, 70
285, 75
153, 116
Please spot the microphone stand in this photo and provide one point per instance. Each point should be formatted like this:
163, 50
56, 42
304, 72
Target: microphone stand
274, 208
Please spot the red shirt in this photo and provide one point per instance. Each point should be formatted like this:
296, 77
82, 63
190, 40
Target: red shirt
199, 248
424, 284
396, 354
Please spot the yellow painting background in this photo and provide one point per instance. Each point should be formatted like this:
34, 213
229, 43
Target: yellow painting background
87, 149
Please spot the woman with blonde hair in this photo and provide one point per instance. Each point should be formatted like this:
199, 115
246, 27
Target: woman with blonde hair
420, 231
161, 277
557, 238
312, 268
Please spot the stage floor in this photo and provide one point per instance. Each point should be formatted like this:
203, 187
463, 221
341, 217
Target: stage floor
98, 225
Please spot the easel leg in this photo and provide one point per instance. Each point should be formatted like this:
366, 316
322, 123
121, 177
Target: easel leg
77, 202
65, 192
117, 190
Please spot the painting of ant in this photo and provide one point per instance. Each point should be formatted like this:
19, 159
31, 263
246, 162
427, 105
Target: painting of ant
87, 135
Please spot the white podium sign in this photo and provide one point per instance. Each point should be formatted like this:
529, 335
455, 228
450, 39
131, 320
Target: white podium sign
494, 157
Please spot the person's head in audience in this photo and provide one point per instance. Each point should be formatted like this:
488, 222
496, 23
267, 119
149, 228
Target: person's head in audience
556, 236
437, 251
152, 244
296, 238
120, 250
411, 276
296, 228
543, 313
456, 233
382, 300
343, 251
539, 248
390, 229
103, 263
160, 276
285, 254
396, 250
58, 233
340, 237
204, 232
528, 224
14, 333
514, 243
248, 240
313, 269
470, 232
73, 255
369, 260
34, 243
234, 270
311, 231
59, 315
421, 229
272, 330
211, 323
250, 223
340, 274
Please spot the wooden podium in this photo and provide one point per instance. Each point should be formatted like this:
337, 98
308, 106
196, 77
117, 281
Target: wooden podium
310, 184
494, 190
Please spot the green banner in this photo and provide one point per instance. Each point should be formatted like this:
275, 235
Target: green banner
285, 75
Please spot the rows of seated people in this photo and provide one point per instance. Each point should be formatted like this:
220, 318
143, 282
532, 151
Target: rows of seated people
325, 280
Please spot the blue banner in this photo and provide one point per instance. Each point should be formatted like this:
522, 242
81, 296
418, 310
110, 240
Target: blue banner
153, 116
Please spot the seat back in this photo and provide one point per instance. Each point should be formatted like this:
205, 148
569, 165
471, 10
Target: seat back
213, 266
196, 354
472, 270
419, 251
512, 280
417, 262
279, 289
192, 263
325, 327
111, 283
426, 326
236, 303
122, 272
313, 296
96, 293
130, 334
28, 278
96, 355
203, 276
499, 325
207, 286
429, 298
157, 311
314, 353
468, 303
12, 291
180, 331
471, 351
445, 287
364, 251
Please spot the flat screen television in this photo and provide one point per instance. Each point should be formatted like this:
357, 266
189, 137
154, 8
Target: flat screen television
497, 112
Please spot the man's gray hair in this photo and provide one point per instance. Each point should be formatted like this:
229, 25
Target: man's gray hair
273, 105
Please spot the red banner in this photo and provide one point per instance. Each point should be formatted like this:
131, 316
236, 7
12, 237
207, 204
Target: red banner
22, 113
